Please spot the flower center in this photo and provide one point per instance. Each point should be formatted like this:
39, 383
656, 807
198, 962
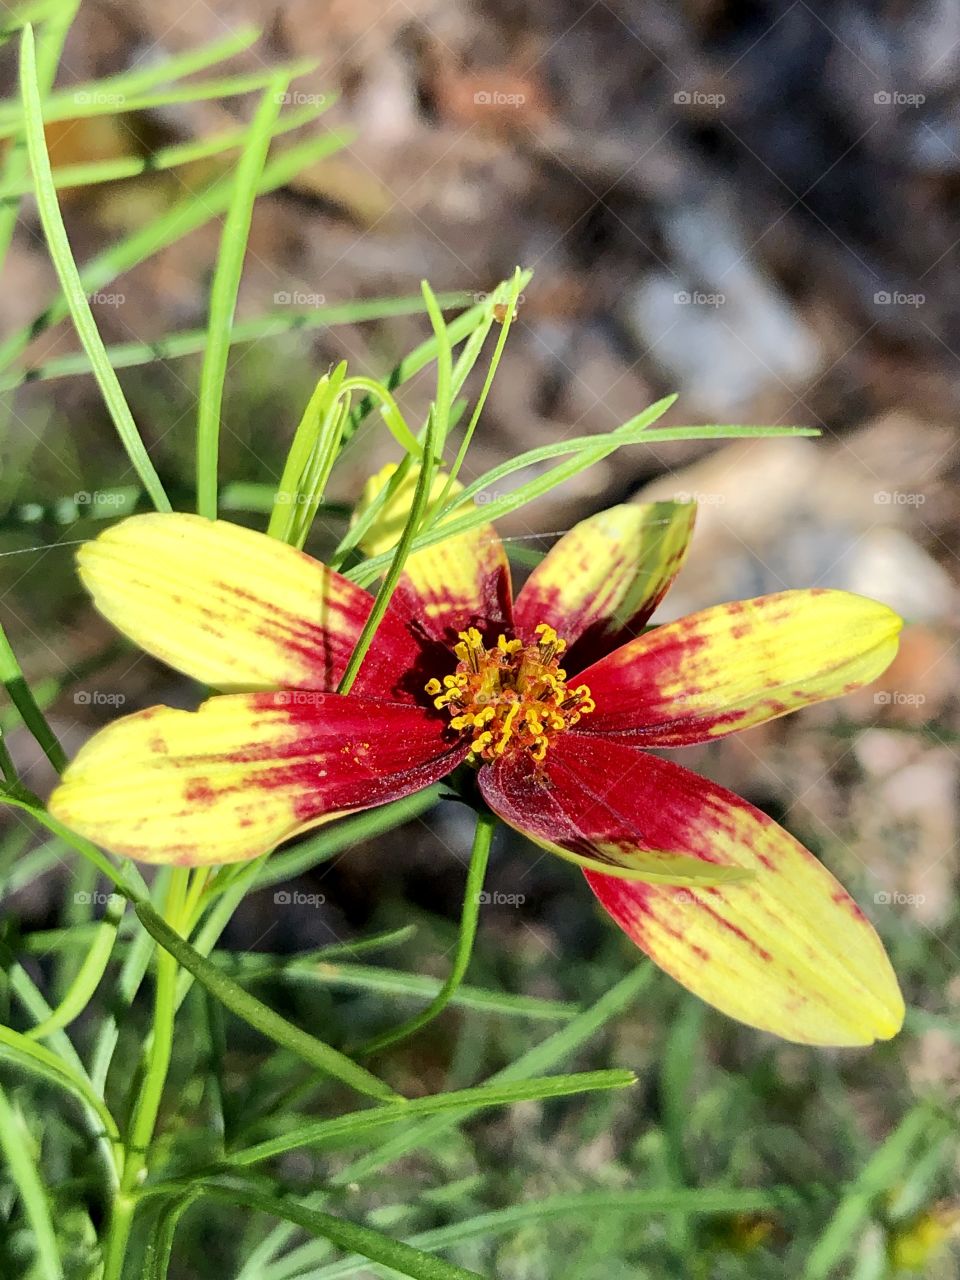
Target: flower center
510, 696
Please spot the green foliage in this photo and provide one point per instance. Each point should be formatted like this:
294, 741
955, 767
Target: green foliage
158, 1104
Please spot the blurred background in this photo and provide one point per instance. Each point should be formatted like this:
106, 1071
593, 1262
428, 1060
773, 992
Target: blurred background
754, 205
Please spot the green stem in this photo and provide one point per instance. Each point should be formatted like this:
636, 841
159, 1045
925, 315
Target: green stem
479, 856
7, 767
418, 507
50, 42
147, 1107
23, 699
322, 1057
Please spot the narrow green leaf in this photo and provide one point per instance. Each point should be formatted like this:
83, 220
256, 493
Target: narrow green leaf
70, 282
534, 1062
50, 42
141, 78
513, 293
443, 402
193, 211
111, 103
479, 856
223, 294
587, 453
362, 1240
95, 172
314, 1052
695, 1202
16, 1145
130, 355
396, 560
159, 1251
881, 1174
416, 986
310, 459
21, 695
356, 1124
82, 988
41, 1061
30, 804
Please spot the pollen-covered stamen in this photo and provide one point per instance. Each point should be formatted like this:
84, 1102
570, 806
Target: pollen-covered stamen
511, 696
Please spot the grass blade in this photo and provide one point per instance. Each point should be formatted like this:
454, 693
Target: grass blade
108, 102
479, 856
314, 1052
69, 278
130, 355
21, 695
530, 1064
396, 559
16, 169
81, 989
16, 1144
192, 212
94, 172
365, 1241
357, 1123
223, 294
695, 1202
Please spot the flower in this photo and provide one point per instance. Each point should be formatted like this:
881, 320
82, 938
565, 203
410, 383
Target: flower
554, 697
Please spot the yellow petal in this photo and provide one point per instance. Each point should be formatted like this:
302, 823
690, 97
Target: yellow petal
230, 781
234, 608
603, 579
787, 951
739, 664
452, 585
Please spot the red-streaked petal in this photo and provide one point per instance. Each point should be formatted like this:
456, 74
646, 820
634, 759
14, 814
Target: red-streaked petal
739, 664
231, 780
787, 951
236, 609
452, 585
602, 581
590, 815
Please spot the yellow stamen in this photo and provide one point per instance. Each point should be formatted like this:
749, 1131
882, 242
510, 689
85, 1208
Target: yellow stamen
515, 695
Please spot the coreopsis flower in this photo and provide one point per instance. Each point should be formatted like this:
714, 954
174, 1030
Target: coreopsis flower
554, 698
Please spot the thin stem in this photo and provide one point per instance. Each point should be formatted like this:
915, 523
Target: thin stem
479, 856
7, 767
22, 698
380, 605
147, 1105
